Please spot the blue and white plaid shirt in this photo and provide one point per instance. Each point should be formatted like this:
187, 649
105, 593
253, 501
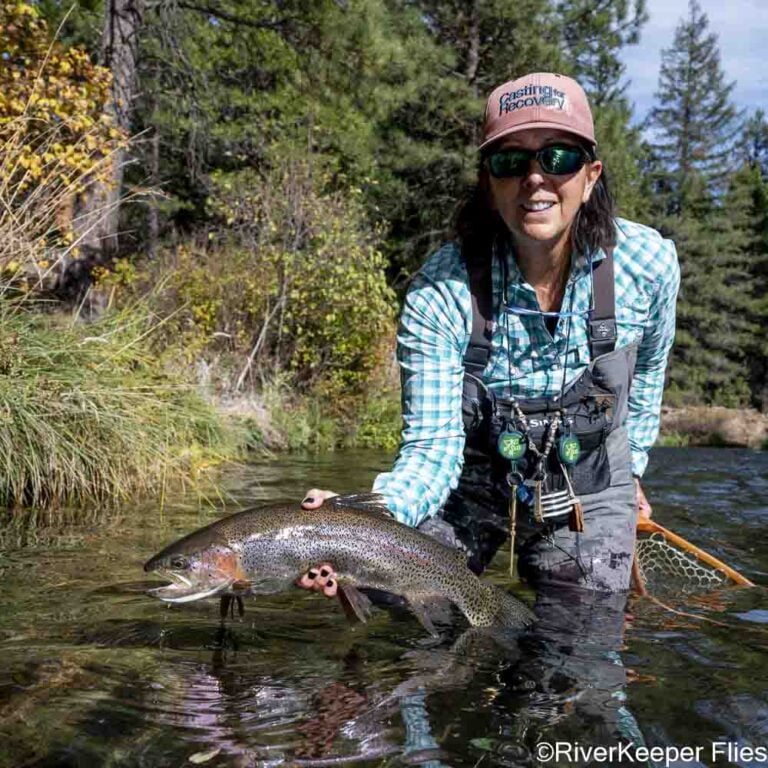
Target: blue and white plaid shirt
434, 332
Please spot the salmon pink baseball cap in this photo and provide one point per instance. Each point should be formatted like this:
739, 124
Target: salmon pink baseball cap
539, 100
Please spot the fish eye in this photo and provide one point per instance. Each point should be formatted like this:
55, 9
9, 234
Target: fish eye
179, 561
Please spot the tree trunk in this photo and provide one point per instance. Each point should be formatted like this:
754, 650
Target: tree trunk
153, 236
473, 43
96, 223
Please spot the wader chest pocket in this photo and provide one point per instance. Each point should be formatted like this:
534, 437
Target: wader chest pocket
592, 472
590, 420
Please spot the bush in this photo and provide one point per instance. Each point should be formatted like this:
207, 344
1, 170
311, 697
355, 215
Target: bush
288, 280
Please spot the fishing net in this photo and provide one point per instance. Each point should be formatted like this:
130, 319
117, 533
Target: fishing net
661, 563
667, 562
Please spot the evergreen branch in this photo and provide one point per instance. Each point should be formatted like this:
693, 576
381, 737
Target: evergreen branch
210, 10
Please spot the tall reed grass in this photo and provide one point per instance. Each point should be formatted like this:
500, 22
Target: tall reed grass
87, 416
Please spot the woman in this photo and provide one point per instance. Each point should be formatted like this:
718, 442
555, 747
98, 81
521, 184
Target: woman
532, 353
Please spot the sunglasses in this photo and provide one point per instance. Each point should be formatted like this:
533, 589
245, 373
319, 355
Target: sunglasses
555, 159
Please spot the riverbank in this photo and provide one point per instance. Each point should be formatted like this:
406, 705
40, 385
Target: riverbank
280, 422
89, 417
714, 426
95, 413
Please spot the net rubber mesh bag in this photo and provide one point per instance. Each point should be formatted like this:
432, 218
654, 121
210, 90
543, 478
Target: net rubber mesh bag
665, 561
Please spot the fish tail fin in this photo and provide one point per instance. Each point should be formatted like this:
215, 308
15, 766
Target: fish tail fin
497, 608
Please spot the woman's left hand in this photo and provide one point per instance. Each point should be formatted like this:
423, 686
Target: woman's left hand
322, 579
643, 505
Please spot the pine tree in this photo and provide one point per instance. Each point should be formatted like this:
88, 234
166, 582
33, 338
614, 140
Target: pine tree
692, 157
754, 143
695, 122
494, 40
716, 306
748, 198
593, 34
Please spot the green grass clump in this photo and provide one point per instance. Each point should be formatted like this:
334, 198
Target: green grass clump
88, 416
673, 440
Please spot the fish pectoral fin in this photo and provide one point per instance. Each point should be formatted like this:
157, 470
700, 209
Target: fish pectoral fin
356, 605
424, 609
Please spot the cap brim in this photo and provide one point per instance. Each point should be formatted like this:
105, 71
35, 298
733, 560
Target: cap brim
540, 124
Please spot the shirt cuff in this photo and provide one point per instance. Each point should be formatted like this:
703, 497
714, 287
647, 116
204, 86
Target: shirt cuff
639, 462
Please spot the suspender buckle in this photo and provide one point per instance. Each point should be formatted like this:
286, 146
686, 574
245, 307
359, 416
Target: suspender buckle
602, 330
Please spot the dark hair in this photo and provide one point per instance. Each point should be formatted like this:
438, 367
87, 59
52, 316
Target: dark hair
477, 226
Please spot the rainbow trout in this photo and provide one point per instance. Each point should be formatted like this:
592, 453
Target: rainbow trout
264, 551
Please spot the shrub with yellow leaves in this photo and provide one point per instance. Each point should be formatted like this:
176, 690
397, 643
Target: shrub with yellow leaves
55, 139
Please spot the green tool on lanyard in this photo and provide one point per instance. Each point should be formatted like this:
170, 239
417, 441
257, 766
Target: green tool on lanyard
569, 449
512, 444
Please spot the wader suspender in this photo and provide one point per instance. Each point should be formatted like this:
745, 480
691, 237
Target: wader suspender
481, 289
602, 319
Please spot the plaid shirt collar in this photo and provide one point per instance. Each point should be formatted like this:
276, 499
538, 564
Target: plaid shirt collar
580, 266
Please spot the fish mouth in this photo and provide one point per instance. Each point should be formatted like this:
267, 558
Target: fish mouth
183, 590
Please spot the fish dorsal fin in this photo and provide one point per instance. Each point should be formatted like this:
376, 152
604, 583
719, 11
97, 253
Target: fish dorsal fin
363, 502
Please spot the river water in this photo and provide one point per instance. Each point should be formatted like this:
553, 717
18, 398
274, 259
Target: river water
93, 672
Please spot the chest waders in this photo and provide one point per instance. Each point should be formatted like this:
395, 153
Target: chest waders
593, 408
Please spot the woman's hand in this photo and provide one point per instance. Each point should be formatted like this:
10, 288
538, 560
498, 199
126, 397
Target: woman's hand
322, 578
315, 497
644, 508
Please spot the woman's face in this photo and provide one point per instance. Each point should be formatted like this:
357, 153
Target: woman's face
539, 208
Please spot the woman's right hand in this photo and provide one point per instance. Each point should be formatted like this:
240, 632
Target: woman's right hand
315, 497
322, 578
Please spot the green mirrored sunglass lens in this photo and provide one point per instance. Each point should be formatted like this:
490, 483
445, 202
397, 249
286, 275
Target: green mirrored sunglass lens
561, 160
509, 163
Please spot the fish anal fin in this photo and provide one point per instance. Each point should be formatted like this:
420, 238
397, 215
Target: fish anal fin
426, 609
355, 604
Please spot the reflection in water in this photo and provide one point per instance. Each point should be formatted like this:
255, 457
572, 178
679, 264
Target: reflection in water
563, 679
95, 673
569, 683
